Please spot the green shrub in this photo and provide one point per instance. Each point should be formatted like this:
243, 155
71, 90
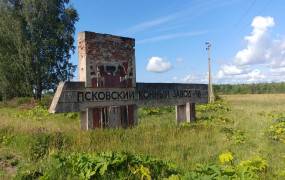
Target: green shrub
155, 110
235, 135
249, 169
39, 146
281, 174
23, 100
59, 141
28, 173
36, 113
6, 135
71, 115
276, 116
107, 165
277, 130
45, 101
217, 106
113, 165
256, 164
42, 143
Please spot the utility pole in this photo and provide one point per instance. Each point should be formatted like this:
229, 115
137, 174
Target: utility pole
211, 96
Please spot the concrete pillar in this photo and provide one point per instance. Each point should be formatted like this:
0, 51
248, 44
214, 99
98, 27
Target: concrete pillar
132, 116
180, 113
185, 112
190, 112
114, 117
135, 115
83, 120
86, 119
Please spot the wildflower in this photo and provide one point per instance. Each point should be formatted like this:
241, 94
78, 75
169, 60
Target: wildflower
226, 157
279, 131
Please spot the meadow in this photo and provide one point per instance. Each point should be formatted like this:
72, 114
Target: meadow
238, 137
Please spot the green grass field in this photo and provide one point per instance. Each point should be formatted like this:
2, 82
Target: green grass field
246, 126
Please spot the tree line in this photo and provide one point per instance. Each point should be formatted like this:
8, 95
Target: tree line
260, 88
36, 42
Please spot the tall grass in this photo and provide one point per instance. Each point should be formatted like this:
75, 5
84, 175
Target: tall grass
242, 131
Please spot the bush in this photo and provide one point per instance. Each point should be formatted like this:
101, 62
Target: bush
23, 100
114, 165
36, 113
43, 143
71, 115
155, 110
249, 169
277, 130
6, 135
217, 106
235, 135
45, 102
60, 141
39, 146
107, 165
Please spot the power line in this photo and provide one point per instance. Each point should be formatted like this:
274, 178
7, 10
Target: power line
246, 12
266, 5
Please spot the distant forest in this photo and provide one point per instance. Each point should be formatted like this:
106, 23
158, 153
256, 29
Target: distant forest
260, 88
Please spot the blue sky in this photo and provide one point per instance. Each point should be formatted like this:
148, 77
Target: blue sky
247, 36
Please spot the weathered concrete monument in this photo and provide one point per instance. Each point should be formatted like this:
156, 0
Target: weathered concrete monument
107, 94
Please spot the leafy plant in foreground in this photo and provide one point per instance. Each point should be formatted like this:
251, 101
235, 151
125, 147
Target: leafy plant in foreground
235, 135
219, 105
147, 111
108, 165
227, 169
277, 130
43, 143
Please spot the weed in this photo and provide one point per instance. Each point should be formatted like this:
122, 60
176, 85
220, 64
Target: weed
37, 113
277, 130
106, 165
23, 100
45, 101
249, 169
157, 135
155, 111
226, 157
217, 106
6, 135
39, 146
234, 135
71, 115
59, 141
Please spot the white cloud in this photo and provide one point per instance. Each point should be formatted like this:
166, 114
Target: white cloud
258, 43
262, 52
252, 76
277, 53
231, 70
193, 78
158, 65
278, 70
277, 74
